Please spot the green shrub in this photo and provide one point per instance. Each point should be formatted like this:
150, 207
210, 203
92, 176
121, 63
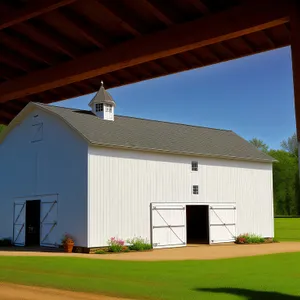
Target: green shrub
249, 239
139, 244
5, 242
116, 245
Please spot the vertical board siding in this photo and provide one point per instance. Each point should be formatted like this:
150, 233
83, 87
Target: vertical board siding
122, 184
56, 165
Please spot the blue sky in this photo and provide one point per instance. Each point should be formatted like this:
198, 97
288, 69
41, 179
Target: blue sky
252, 96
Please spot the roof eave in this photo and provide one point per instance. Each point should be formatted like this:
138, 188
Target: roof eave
93, 143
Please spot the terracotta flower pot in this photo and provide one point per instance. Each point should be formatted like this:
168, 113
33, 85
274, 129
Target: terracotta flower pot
68, 247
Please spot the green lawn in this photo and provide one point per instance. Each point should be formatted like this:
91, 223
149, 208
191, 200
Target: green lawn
287, 229
274, 277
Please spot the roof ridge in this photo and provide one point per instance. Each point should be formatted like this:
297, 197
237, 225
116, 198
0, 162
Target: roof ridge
143, 119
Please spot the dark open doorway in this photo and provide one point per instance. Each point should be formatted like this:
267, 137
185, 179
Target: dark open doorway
33, 209
197, 224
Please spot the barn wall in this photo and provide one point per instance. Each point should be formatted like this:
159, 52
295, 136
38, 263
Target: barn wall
56, 165
122, 184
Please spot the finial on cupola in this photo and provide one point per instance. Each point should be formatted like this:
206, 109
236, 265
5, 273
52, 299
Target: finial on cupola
103, 105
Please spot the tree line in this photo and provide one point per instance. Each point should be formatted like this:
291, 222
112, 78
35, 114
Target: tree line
286, 180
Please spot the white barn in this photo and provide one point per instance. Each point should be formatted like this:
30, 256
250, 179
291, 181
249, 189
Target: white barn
96, 176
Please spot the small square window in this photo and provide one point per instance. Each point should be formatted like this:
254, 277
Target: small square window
108, 108
99, 107
195, 189
194, 166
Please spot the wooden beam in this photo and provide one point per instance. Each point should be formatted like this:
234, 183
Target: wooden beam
30, 10
295, 45
250, 17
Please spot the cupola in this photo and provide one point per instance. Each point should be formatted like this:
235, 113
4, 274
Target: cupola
103, 105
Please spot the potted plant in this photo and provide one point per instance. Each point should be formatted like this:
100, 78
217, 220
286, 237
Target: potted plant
68, 243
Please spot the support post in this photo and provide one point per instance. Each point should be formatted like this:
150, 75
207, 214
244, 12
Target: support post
295, 47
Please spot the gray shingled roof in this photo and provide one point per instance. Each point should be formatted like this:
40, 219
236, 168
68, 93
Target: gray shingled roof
149, 135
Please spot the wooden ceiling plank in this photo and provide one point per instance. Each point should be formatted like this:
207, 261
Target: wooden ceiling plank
30, 10
29, 48
39, 37
194, 57
185, 63
156, 64
199, 5
157, 12
72, 89
126, 75
107, 79
12, 59
269, 39
250, 17
247, 44
9, 73
86, 29
54, 37
230, 51
140, 71
125, 18
84, 87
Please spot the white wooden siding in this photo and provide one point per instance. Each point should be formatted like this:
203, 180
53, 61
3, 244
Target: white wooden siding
55, 165
122, 185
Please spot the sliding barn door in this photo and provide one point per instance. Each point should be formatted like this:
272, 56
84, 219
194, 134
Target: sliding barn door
222, 223
19, 225
168, 226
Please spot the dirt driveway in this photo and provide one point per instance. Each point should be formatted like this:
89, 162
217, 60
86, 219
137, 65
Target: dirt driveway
20, 292
192, 252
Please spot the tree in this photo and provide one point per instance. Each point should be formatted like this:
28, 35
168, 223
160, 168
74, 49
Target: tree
260, 145
286, 183
290, 145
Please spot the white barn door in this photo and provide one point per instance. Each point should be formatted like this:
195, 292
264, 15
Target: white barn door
48, 222
19, 223
168, 225
222, 223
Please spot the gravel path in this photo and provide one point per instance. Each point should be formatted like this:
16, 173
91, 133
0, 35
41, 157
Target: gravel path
192, 252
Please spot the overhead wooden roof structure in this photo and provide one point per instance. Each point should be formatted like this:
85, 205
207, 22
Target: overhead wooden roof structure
52, 50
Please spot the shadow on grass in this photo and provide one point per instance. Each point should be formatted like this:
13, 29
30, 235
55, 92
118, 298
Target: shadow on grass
250, 294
